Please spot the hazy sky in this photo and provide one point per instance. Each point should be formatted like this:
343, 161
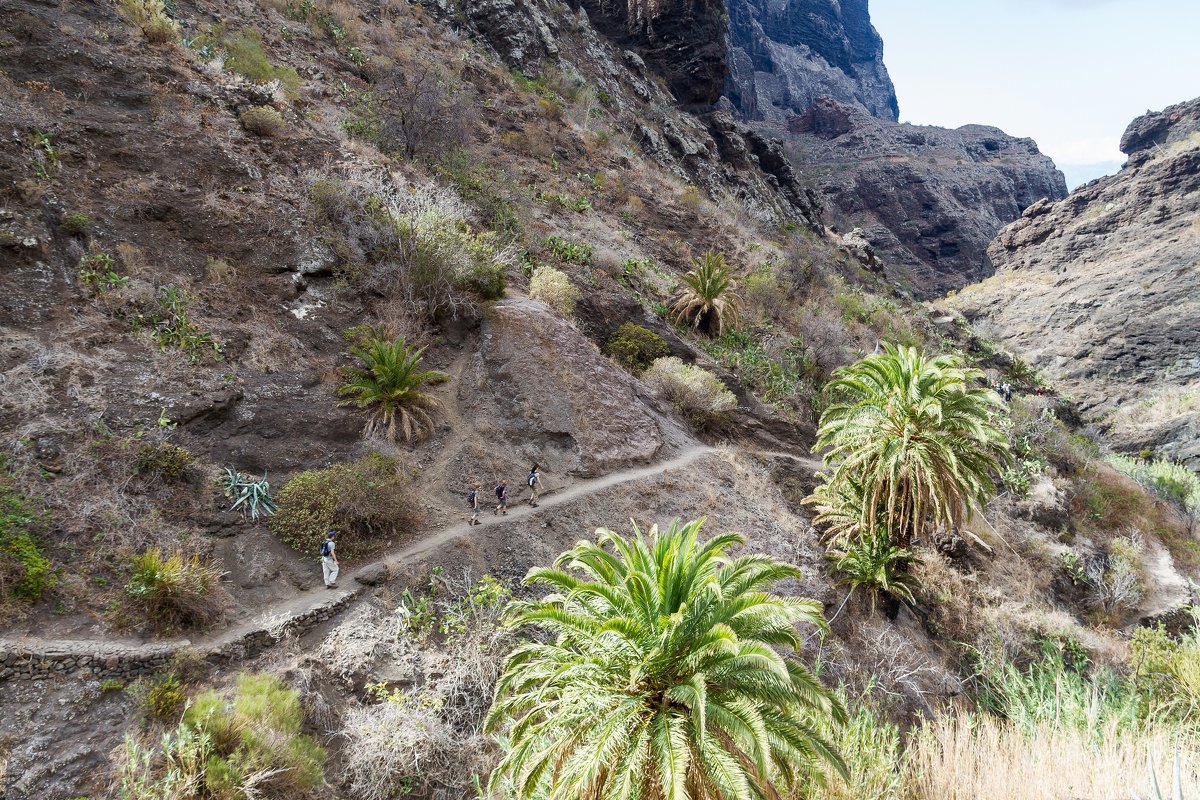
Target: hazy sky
1069, 73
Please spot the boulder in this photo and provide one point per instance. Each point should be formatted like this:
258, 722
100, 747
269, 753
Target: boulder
558, 395
372, 574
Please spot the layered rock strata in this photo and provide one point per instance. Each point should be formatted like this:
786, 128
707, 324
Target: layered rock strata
1101, 291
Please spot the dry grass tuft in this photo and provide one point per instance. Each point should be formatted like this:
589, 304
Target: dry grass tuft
982, 758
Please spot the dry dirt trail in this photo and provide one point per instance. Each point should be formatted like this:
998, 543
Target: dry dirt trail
108, 657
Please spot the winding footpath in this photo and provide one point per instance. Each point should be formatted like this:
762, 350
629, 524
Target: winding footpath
31, 658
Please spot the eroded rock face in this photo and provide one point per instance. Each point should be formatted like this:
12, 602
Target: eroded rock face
683, 40
929, 200
784, 55
1102, 290
566, 400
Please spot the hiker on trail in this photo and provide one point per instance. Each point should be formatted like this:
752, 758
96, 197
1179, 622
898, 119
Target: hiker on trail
535, 484
329, 560
501, 498
473, 504
1006, 391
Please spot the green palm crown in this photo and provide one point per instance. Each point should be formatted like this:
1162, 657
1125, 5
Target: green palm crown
706, 301
387, 381
913, 441
662, 676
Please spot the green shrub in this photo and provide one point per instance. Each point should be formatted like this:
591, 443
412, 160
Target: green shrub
76, 223
696, 394
171, 326
174, 591
162, 460
570, 252
25, 573
635, 347
244, 55
486, 274
263, 120
369, 500
98, 274
229, 748
555, 289
150, 16
480, 184
165, 697
1170, 481
111, 685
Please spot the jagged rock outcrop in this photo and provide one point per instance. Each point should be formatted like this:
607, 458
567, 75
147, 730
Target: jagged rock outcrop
1102, 290
784, 55
683, 40
929, 199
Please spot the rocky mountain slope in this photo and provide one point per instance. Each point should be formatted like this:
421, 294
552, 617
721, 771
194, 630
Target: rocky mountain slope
1101, 291
783, 56
200, 218
929, 199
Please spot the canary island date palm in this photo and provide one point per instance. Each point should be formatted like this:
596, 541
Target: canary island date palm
706, 300
913, 442
387, 382
661, 676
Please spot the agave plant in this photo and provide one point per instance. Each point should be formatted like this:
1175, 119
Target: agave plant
388, 382
706, 301
1177, 789
252, 497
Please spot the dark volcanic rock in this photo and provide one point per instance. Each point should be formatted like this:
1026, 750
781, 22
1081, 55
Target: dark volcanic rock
783, 55
929, 200
683, 40
1102, 290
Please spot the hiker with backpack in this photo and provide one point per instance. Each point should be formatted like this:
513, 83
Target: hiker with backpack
329, 559
501, 498
535, 484
473, 504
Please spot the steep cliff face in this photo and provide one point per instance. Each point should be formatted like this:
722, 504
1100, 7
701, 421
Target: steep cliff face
929, 199
683, 40
784, 55
1102, 290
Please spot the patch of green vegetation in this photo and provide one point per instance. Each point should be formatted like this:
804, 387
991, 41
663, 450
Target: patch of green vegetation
636, 347
174, 590
784, 375
480, 185
44, 156
162, 460
244, 55
98, 274
263, 121
367, 501
166, 697
76, 223
568, 251
25, 573
172, 327
229, 747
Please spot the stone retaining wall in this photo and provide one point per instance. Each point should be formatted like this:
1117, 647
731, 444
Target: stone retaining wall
34, 660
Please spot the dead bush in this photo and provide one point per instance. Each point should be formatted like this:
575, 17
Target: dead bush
419, 113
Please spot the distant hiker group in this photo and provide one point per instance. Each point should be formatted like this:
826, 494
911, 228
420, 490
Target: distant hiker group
1005, 390
329, 559
533, 481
